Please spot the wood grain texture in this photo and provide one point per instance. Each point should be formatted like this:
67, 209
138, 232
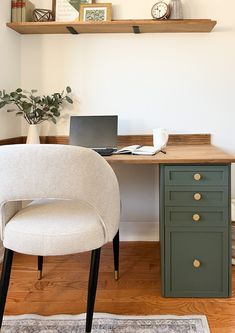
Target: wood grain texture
64, 286
178, 151
127, 140
179, 154
11, 141
174, 139
120, 26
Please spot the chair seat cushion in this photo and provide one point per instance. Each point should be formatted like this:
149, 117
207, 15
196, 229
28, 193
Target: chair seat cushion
54, 227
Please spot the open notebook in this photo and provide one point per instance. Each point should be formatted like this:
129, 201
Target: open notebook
138, 150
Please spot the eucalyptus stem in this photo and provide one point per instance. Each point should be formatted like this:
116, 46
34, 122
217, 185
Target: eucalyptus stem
36, 109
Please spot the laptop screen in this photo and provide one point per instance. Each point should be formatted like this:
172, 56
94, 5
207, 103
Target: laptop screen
93, 131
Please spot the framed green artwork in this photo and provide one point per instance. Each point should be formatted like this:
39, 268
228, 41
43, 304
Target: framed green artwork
95, 12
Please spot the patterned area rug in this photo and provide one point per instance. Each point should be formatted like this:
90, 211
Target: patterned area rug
105, 323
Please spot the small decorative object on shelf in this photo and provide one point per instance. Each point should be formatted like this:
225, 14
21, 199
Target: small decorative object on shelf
43, 15
96, 12
68, 10
161, 11
176, 10
35, 109
22, 11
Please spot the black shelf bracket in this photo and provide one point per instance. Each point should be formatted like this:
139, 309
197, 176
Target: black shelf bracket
136, 29
72, 30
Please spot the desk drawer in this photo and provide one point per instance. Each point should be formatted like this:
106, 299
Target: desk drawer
196, 263
196, 175
198, 196
196, 217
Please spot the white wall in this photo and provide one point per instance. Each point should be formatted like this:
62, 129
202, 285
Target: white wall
183, 82
9, 70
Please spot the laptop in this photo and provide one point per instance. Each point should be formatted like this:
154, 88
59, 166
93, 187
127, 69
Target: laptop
96, 132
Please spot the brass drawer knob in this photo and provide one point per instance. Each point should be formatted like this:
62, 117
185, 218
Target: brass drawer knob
196, 217
196, 263
197, 176
197, 196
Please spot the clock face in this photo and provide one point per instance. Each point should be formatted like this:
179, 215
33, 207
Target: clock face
160, 10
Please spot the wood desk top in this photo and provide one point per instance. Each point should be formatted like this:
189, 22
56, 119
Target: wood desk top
178, 154
181, 149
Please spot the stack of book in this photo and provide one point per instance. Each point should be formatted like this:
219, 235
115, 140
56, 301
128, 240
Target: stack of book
22, 11
233, 232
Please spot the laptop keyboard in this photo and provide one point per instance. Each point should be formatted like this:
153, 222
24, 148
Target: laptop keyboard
105, 151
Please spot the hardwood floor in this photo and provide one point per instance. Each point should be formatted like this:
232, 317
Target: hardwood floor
63, 288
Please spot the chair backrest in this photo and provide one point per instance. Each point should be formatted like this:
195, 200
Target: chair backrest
30, 172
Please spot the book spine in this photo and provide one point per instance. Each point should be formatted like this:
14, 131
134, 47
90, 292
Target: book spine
13, 11
18, 11
23, 11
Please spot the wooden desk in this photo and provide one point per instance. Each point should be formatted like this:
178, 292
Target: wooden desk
195, 218
179, 154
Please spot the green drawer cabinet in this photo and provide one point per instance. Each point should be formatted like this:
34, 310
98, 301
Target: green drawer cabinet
195, 230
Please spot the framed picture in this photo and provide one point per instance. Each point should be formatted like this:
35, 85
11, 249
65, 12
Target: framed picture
96, 12
68, 10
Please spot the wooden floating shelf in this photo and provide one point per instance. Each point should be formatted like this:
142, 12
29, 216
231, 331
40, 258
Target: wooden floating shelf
121, 26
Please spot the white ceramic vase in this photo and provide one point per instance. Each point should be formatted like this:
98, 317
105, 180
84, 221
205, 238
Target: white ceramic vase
33, 136
176, 10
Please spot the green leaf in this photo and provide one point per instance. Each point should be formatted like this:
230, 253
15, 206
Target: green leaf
53, 120
37, 99
6, 98
39, 112
19, 90
69, 90
26, 106
14, 94
69, 100
2, 104
20, 113
31, 115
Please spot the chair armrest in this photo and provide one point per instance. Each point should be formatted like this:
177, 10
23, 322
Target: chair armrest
8, 210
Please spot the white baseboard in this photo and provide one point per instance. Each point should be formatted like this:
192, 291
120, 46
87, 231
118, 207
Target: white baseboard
139, 231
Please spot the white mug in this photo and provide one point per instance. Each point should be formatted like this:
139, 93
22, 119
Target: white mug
160, 137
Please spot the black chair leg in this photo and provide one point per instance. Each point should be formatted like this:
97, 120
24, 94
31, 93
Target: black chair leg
40, 265
92, 286
116, 255
5, 279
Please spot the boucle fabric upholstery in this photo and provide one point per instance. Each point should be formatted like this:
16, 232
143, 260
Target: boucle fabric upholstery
34, 172
8, 210
54, 227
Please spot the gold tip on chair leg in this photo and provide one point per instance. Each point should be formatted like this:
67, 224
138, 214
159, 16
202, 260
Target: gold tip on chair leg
116, 275
39, 275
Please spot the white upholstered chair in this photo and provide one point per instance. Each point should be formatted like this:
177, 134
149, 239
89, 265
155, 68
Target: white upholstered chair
75, 208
